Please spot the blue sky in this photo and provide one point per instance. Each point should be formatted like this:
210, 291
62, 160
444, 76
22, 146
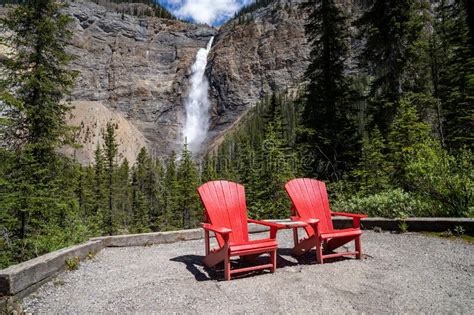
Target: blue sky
212, 12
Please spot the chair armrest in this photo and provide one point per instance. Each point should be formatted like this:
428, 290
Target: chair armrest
355, 217
351, 215
269, 224
308, 221
216, 229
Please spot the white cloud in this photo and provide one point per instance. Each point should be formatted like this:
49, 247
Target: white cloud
206, 11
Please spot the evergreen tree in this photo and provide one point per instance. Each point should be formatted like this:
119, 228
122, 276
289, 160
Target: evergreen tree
208, 169
110, 155
406, 134
38, 186
453, 56
122, 202
145, 190
157, 210
391, 28
139, 202
99, 180
274, 169
373, 172
36, 78
86, 191
170, 194
187, 177
328, 108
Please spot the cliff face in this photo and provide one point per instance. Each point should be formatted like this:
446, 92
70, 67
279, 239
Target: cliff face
264, 51
133, 71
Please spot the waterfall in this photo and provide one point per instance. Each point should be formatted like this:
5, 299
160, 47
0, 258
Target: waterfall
197, 102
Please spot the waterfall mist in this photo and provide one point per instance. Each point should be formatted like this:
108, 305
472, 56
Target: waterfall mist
197, 102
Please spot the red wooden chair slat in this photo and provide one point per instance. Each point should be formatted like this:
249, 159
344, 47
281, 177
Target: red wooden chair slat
226, 216
311, 204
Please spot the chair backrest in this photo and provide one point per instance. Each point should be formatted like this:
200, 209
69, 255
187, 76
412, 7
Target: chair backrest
224, 204
310, 201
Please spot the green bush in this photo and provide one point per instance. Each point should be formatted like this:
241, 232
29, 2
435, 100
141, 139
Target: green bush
390, 204
443, 178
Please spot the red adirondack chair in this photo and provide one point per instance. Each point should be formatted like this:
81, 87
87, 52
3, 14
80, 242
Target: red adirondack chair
311, 205
226, 215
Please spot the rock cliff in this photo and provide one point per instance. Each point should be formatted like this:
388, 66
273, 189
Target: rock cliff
132, 71
261, 52
135, 71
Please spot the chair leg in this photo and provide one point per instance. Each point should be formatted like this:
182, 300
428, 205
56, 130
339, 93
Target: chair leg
227, 268
358, 248
207, 242
319, 253
273, 260
295, 236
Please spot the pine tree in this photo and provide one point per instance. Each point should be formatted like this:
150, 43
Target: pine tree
110, 154
152, 183
122, 202
36, 79
157, 215
187, 176
146, 186
373, 172
453, 54
86, 191
99, 181
406, 133
170, 194
208, 166
140, 217
38, 187
391, 28
267, 199
328, 108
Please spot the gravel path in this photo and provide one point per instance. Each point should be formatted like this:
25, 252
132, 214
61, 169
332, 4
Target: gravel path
407, 273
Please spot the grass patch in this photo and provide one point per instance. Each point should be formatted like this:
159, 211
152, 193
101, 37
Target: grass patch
72, 263
467, 238
91, 255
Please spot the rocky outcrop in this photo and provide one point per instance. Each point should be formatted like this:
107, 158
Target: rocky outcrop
91, 118
264, 51
132, 70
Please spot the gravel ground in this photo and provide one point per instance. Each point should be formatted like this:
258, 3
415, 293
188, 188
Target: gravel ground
401, 273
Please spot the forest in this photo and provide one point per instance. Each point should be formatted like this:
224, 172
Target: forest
392, 138
149, 8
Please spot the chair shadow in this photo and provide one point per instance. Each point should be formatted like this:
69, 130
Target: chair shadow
204, 273
308, 258
192, 263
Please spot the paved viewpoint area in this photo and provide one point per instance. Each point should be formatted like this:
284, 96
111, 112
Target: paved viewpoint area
400, 273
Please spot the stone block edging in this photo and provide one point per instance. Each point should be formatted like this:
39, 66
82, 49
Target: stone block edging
145, 239
18, 278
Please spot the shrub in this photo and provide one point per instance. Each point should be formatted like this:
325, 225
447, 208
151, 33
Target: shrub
444, 178
390, 204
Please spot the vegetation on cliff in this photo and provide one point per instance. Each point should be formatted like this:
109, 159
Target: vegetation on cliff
151, 8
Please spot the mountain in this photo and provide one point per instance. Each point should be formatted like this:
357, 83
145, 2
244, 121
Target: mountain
255, 54
134, 70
